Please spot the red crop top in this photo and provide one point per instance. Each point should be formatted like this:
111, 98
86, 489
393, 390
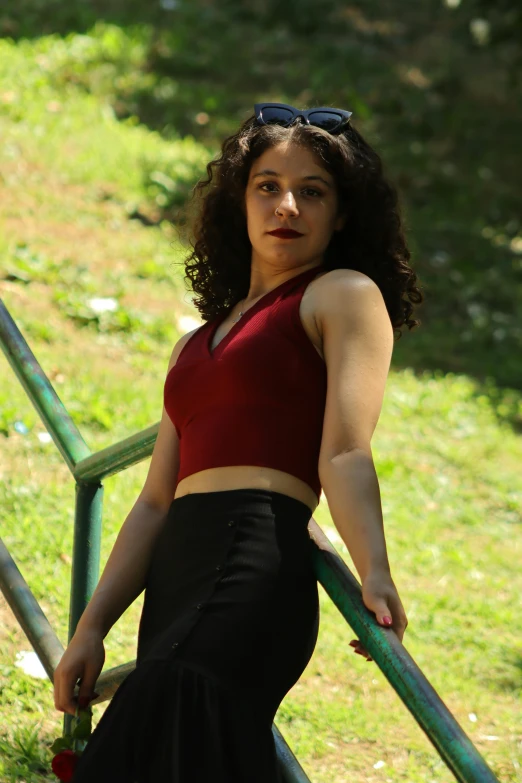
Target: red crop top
259, 397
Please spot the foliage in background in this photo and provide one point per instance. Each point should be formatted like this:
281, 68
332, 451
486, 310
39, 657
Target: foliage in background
436, 89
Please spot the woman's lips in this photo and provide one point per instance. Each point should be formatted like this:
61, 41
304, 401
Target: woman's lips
285, 233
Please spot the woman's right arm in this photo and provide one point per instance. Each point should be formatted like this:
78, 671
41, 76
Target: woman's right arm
125, 572
123, 578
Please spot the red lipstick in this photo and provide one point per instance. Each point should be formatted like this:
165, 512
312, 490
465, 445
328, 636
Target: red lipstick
285, 233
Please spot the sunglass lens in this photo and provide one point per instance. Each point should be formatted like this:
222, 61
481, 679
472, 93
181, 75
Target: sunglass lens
328, 121
274, 114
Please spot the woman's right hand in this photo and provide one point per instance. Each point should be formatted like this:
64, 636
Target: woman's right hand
83, 660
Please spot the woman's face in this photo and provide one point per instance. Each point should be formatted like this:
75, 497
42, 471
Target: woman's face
305, 197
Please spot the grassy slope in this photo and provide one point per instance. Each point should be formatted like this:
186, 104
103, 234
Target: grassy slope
449, 473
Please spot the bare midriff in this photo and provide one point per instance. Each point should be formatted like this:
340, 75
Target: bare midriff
248, 476
253, 476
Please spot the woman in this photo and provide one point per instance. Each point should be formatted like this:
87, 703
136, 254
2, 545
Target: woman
300, 265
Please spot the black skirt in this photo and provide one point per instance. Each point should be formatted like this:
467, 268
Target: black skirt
229, 622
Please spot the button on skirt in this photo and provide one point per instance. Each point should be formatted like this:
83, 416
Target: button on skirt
229, 622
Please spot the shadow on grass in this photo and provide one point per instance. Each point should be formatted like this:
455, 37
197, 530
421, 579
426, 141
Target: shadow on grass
454, 161
514, 683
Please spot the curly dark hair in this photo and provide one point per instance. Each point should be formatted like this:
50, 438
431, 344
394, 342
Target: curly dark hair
214, 223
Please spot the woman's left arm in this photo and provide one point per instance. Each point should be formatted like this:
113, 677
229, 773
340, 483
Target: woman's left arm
357, 340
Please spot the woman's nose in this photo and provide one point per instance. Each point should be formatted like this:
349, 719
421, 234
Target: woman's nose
288, 204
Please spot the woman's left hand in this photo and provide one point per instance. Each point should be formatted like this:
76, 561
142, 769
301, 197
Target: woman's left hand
381, 597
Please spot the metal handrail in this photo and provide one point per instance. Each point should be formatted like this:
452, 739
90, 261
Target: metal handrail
432, 715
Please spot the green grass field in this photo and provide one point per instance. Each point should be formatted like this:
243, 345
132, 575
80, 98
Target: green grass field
447, 459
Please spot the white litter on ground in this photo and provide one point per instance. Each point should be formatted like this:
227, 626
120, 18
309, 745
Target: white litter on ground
30, 663
102, 304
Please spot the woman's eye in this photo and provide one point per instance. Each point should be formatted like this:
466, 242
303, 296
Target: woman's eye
272, 184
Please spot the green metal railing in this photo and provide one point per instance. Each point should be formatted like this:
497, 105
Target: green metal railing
88, 470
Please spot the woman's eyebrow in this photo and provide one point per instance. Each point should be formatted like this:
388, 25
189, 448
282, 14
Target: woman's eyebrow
270, 173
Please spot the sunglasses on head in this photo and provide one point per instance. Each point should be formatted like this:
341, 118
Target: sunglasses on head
331, 120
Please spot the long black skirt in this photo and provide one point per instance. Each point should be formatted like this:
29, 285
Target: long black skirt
229, 622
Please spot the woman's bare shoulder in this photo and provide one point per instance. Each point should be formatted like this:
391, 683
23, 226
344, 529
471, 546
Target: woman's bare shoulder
317, 296
331, 284
333, 276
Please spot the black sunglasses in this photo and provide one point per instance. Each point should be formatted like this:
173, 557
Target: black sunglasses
331, 120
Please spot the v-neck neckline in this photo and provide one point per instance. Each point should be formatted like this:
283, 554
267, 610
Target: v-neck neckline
246, 317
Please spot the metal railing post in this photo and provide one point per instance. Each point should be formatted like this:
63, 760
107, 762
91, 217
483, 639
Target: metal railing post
85, 558
86, 549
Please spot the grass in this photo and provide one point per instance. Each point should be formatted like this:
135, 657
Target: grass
447, 458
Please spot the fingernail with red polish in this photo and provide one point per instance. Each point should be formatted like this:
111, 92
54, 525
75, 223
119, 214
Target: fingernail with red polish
387, 620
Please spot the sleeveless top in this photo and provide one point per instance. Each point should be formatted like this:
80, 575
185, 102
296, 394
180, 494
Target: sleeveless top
259, 397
